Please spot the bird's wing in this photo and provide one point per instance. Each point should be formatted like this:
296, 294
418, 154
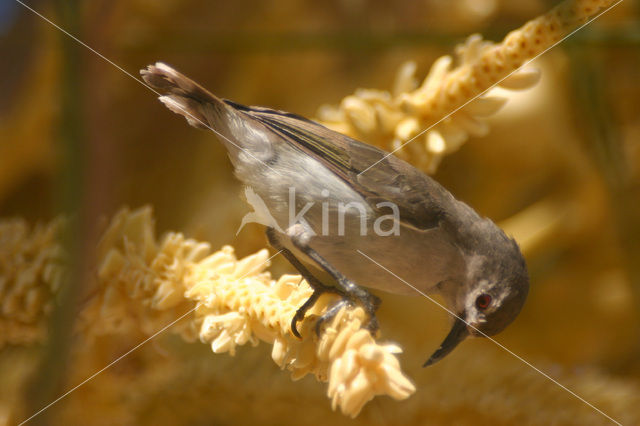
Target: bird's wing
421, 201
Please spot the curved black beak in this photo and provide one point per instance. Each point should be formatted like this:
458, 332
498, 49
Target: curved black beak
457, 334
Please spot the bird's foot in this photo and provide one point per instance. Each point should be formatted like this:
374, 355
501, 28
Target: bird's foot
369, 303
351, 293
318, 290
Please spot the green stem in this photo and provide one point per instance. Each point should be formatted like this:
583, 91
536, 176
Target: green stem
49, 381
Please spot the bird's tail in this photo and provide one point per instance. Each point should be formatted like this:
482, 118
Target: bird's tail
182, 95
248, 141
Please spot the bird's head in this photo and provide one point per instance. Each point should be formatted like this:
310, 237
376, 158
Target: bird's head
495, 290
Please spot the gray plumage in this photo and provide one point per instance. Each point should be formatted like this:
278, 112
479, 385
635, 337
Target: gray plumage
440, 245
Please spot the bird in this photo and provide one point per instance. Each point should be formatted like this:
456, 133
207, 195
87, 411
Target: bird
332, 203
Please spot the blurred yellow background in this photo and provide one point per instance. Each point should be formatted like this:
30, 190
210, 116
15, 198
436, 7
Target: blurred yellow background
560, 168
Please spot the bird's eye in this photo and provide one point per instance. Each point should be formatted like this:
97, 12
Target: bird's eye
483, 301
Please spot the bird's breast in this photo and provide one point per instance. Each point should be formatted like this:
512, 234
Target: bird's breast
408, 263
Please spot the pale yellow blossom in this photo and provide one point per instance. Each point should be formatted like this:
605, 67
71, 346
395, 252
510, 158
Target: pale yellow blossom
31, 272
424, 122
143, 285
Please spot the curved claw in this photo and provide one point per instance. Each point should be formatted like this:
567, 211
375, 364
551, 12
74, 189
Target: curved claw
294, 326
370, 308
330, 314
302, 310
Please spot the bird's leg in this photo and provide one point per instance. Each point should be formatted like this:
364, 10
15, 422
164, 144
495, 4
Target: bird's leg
352, 291
318, 287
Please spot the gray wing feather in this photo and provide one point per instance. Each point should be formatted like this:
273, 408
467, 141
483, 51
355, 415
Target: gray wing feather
420, 199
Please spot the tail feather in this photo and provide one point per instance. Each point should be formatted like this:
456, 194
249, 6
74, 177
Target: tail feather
183, 95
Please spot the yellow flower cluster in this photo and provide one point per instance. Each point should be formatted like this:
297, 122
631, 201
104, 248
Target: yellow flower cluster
239, 304
144, 285
443, 111
139, 281
31, 272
